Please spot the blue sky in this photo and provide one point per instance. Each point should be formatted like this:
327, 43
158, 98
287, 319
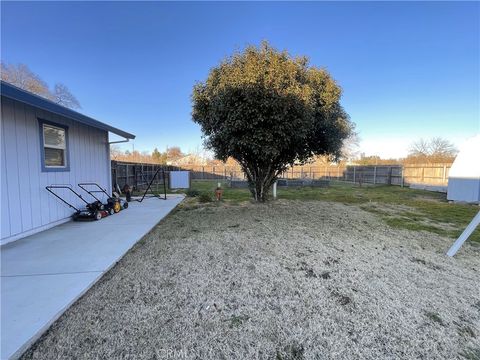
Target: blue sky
408, 69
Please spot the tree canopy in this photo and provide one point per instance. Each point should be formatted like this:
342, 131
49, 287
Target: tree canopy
269, 110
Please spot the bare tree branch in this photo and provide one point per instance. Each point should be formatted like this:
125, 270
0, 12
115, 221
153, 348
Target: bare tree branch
21, 76
63, 96
434, 150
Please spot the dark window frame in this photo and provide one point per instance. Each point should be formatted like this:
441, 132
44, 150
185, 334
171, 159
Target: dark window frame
45, 168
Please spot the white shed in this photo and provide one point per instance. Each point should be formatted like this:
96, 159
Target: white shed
464, 176
43, 143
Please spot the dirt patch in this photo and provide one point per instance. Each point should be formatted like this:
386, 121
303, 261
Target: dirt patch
388, 209
408, 217
437, 199
441, 225
287, 280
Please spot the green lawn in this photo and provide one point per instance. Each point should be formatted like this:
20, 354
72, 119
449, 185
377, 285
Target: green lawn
399, 207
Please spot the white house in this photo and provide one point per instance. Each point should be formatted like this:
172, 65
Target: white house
464, 175
43, 143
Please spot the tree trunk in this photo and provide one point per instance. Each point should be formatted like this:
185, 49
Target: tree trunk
260, 193
260, 182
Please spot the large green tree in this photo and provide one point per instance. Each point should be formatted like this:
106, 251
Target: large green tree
268, 110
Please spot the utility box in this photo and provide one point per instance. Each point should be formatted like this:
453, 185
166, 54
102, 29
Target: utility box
179, 180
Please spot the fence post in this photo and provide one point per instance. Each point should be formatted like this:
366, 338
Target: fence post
338, 172
116, 175
354, 174
135, 180
402, 174
374, 175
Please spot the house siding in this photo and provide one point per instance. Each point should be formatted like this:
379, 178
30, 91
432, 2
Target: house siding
464, 175
26, 205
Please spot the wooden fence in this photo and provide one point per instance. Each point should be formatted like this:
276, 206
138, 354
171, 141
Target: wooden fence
137, 174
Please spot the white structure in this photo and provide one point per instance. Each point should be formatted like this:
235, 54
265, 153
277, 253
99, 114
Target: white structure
464, 236
43, 143
179, 180
464, 176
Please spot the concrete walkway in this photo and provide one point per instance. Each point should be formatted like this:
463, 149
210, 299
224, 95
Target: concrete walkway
43, 274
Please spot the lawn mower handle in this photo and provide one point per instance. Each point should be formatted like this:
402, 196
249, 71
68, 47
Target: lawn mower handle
101, 190
50, 187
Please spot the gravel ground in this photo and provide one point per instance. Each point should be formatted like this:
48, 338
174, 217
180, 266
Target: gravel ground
286, 280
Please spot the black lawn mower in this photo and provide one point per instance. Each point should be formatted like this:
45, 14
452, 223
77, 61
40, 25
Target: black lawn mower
93, 211
113, 205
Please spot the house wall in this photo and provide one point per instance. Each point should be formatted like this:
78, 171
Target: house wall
467, 190
26, 206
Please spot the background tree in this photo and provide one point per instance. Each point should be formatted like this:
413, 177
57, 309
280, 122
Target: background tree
174, 153
159, 157
268, 110
115, 152
442, 148
434, 150
419, 148
136, 156
62, 95
351, 147
376, 160
156, 155
21, 76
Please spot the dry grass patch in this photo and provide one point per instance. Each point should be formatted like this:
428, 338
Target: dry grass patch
286, 280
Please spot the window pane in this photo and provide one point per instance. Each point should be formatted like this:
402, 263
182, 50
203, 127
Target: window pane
53, 136
54, 157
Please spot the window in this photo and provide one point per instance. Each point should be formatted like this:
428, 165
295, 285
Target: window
54, 147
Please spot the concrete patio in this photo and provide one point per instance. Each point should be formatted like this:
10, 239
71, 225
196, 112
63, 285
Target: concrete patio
43, 274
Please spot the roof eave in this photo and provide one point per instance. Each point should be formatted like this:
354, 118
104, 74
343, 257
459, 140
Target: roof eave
12, 92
